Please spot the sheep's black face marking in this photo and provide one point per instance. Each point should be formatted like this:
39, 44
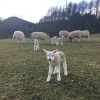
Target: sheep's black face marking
50, 56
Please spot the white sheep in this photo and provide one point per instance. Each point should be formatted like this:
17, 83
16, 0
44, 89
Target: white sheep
55, 58
39, 35
19, 36
56, 40
63, 34
36, 44
85, 34
74, 34
78, 34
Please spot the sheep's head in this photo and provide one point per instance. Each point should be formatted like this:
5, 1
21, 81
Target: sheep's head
50, 54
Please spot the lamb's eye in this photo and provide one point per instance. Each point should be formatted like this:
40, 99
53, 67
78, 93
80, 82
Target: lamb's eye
52, 55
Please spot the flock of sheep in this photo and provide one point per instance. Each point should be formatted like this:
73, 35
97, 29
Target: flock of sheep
54, 57
35, 36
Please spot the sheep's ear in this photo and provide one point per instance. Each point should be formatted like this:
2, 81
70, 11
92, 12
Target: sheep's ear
45, 51
55, 51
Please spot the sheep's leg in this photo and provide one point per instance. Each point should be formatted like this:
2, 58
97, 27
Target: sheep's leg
71, 39
87, 38
65, 67
61, 43
58, 73
78, 39
34, 47
17, 40
56, 42
49, 73
38, 47
23, 40
55, 70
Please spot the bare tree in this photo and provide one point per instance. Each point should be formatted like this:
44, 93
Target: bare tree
75, 8
90, 7
97, 8
82, 7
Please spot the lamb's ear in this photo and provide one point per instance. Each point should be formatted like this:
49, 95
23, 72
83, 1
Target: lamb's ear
45, 51
55, 51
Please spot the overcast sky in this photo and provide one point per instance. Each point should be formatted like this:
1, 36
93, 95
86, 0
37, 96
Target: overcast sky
30, 10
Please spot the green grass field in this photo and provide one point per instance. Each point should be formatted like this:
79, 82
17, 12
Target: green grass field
23, 72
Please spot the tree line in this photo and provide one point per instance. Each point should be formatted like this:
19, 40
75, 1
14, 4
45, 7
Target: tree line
73, 16
64, 13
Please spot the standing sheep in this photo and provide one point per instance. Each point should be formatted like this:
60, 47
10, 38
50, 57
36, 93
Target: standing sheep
55, 58
19, 36
39, 35
63, 34
78, 34
74, 34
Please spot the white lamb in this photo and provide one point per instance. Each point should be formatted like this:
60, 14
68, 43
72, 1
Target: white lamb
19, 36
63, 34
53, 39
36, 44
78, 34
55, 58
39, 35
56, 40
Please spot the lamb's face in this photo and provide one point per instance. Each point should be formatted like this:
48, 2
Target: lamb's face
50, 55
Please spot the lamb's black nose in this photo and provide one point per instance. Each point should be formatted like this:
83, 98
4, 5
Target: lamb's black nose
49, 59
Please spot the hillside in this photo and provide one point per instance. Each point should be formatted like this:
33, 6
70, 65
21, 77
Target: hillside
8, 26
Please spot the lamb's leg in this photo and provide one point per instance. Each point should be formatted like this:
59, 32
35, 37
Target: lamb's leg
38, 46
87, 38
34, 48
61, 43
49, 73
58, 73
65, 67
55, 70
78, 39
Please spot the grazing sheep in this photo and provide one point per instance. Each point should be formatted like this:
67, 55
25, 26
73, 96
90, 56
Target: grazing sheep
74, 34
39, 35
63, 34
19, 36
56, 40
36, 44
78, 34
55, 58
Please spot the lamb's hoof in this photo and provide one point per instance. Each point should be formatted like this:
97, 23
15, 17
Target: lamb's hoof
48, 80
59, 80
66, 74
54, 73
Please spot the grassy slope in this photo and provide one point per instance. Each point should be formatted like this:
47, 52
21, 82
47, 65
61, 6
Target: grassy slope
23, 72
